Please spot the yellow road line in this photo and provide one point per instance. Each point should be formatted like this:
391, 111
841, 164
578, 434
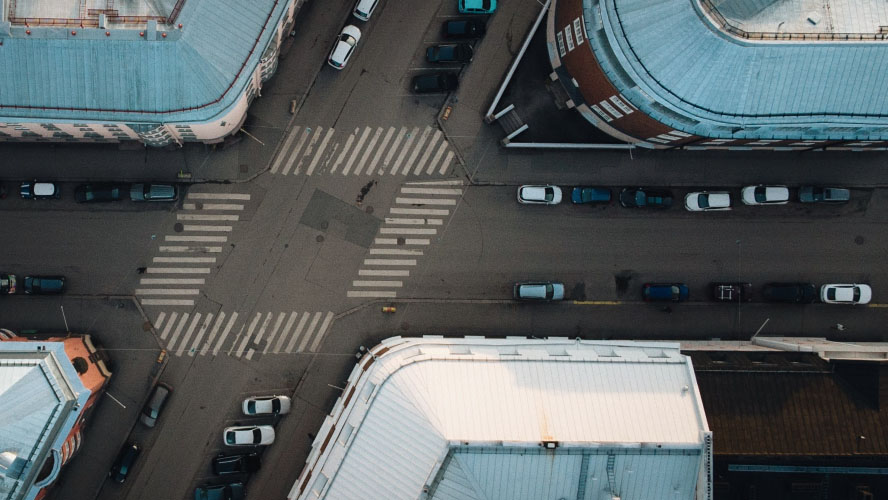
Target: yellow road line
878, 305
597, 302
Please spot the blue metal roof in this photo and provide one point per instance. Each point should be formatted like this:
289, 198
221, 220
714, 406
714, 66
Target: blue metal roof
672, 63
123, 77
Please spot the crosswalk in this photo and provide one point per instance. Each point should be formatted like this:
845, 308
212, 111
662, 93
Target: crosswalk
195, 333
418, 216
364, 151
176, 276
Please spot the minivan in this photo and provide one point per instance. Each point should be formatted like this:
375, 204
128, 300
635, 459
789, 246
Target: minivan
364, 9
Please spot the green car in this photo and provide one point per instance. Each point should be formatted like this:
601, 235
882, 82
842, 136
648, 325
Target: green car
477, 6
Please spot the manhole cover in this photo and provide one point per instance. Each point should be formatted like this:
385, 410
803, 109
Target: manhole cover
369, 210
859, 240
319, 238
178, 227
402, 241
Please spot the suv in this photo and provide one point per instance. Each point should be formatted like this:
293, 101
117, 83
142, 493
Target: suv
796, 293
235, 464
814, 194
43, 285
155, 404
153, 192
442, 81
464, 28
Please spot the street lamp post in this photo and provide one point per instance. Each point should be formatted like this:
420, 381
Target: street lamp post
739, 281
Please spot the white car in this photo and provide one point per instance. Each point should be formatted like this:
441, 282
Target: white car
845, 294
267, 405
248, 435
765, 195
704, 201
344, 46
539, 195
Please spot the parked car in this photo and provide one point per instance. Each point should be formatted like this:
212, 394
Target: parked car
40, 190
674, 292
344, 47
835, 293
153, 192
442, 81
266, 405
813, 194
450, 53
123, 465
764, 195
543, 290
224, 465
98, 193
732, 292
248, 435
543, 194
645, 198
364, 9
704, 201
796, 293
590, 195
7, 283
230, 491
43, 285
155, 404
464, 28
477, 6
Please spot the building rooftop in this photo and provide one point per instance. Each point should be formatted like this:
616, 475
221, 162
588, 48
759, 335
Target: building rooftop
513, 418
805, 16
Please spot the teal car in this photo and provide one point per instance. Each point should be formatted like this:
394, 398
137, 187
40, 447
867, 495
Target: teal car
477, 6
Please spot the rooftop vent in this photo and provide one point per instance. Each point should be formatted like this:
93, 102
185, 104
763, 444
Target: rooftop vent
10, 465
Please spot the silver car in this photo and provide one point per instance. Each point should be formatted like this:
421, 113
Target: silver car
542, 290
248, 435
266, 405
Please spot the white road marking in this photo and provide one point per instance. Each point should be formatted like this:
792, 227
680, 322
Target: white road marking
167, 291
243, 344
389, 262
187, 335
326, 324
437, 158
200, 334
224, 334
357, 151
169, 325
166, 302
367, 152
419, 211
446, 163
407, 145
420, 190
394, 251
383, 272
378, 155
180, 260
182, 321
428, 151
191, 249
295, 153
407, 241
413, 222
444, 182
348, 143
197, 239
285, 331
309, 149
258, 339
172, 281
296, 335
370, 294
398, 138
419, 146
178, 270
308, 333
380, 284
425, 201
250, 353
159, 321
213, 206
208, 229
320, 153
284, 150
208, 217
274, 331
215, 331
218, 196
406, 230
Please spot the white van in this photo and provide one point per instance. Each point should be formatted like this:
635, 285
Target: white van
364, 9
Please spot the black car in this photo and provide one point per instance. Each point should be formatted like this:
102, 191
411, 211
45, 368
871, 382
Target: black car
236, 464
464, 28
123, 465
43, 285
435, 82
450, 53
98, 192
795, 293
40, 190
814, 194
645, 198
155, 404
231, 491
732, 292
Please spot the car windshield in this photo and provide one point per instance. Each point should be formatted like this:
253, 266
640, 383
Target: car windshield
230, 437
760, 195
640, 198
276, 405
485, 4
831, 294
251, 406
347, 39
703, 201
257, 435
550, 194
674, 290
856, 294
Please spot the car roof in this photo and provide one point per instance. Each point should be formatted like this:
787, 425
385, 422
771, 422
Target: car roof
719, 200
533, 192
776, 192
44, 188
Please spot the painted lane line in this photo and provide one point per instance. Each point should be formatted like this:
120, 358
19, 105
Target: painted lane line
309, 331
172, 281
309, 149
378, 155
265, 323
419, 144
384, 272
285, 332
445, 182
321, 332
394, 251
218, 196
219, 229
597, 302
284, 150
178, 270
437, 158
158, 323
342, 154
367, 152
296, 335
407, 145
193, 260
208, 217
182, 322
425, 201
294, 154
320, 152
428, 151
215, 331
380, 284
388, 157
213, 206
250, 353
167, 291
389, 262
446, 164
274, 331
190, 249
357, 151
443, 191
187, 336
407, 241
221, 341
169, 325
200, 335
243, 344
358, 294
198, 239
419, 211
406, 230
166, 302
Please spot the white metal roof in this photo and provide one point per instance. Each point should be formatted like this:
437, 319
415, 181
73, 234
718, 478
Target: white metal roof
467, 418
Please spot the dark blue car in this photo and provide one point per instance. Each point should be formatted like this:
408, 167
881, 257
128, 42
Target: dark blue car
590, 195
672, 292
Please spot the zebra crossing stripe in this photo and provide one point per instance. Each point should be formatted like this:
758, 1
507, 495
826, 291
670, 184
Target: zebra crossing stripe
178, 270
309, 149
419, 211
442, 182
377, 294
427, 152
425, 201
159, 321
380, 284
296, 335
258, 339
407, 241
187, 336
446, 163
308, 333
295, 153
406, 230
394, 251
320, 335
436, 191
208, 217
378, 155
437, 158
167, 291
363, 160
285, 331
172, 281
207, 229
407, 145
243, 344
283, 152
388, 157
384, 272
200, 334
274, 331
213, 206
320, 153
413, 222
389, 262
182, 321
352, 157
197, 239
221, 341
166, 302
348, 143
190, 249
218, 196
169, 325
182, 260
215, 331
419, 145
